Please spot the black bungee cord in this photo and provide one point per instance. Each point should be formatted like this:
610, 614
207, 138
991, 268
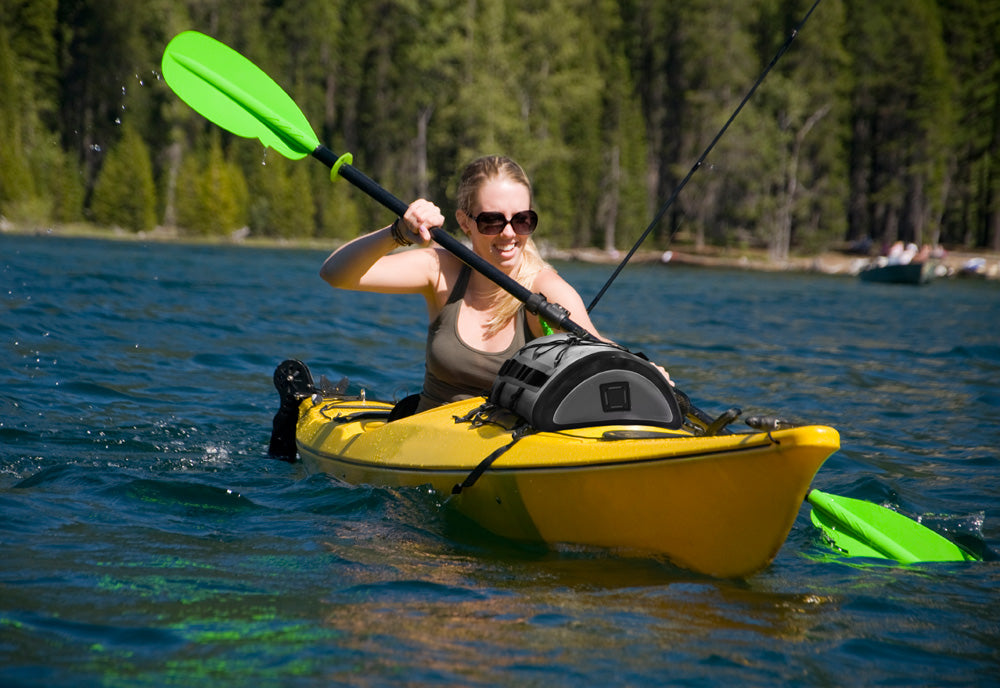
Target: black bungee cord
677, 190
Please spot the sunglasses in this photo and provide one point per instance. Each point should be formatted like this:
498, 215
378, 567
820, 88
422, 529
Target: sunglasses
523, 223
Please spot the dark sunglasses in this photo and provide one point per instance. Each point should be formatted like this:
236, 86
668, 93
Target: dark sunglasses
524, 222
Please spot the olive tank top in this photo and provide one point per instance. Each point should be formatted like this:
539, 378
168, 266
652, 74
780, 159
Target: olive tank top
455, 370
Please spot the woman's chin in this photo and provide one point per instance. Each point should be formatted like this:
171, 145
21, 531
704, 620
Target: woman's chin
506, 257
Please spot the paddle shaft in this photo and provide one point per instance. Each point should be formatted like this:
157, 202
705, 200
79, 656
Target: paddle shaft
535, 303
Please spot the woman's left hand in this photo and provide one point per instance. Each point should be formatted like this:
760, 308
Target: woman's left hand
663, 371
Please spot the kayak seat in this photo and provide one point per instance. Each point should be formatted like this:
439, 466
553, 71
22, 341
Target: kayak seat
406, 406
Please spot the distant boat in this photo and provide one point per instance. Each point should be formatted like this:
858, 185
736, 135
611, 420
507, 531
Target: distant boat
911, 273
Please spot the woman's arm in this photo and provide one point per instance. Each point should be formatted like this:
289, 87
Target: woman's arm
557, 290
363, 264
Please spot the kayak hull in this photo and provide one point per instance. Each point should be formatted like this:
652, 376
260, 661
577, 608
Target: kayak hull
720, 505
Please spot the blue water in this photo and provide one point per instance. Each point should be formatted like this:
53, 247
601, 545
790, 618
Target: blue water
147, 540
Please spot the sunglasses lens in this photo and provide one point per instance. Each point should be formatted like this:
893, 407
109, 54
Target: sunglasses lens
491, 223
524, 222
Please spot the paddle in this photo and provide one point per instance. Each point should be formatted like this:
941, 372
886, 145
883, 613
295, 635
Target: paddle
862, 529
229, 90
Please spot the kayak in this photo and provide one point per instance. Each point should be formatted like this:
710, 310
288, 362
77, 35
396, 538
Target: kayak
720, 505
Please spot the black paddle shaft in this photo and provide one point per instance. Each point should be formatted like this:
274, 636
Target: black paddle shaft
553, 313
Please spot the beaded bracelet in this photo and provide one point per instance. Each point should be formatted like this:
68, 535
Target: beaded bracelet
397, 234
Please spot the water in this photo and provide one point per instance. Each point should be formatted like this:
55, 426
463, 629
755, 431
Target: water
147, 540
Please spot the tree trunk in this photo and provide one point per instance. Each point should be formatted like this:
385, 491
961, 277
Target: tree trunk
170, 194
423, 179
607, 211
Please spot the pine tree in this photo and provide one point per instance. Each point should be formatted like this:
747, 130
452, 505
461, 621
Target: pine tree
283, 203
125, 195
972, 210
17, 187
903, 121
212, 195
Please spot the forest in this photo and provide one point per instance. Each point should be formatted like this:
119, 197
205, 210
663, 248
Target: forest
880, 122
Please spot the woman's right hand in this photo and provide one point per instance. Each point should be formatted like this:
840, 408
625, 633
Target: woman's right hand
420, 218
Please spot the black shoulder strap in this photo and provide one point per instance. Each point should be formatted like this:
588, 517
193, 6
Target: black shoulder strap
458, 291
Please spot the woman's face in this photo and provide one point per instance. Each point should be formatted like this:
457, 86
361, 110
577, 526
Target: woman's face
505, 196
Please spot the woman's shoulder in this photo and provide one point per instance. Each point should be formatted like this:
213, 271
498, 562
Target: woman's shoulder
548, 278
449, 268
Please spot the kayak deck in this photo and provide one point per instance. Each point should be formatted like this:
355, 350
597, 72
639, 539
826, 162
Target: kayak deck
720, 505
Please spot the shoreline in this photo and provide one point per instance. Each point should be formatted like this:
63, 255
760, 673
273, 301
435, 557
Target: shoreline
829, 262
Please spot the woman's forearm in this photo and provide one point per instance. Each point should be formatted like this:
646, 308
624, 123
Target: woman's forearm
345, 267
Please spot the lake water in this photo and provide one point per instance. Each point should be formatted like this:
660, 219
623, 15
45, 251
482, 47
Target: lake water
146, 539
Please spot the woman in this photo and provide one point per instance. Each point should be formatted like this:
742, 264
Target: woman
475, 325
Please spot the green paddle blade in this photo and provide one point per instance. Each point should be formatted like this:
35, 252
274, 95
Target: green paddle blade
233, 92
863, 529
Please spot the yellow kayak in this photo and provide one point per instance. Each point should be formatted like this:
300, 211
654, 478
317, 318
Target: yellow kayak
721, 505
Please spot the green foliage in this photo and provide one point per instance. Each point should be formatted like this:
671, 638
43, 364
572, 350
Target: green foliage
16, 183
125, 195
212, 192
283, 204
880, 121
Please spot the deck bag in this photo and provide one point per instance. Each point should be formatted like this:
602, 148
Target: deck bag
560, 382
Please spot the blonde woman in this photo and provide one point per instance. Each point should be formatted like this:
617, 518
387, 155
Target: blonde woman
474, 325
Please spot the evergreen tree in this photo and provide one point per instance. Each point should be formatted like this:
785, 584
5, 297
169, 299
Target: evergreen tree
125, 195
621, 210
903, 120
213, 194
972, 36
803, 105
17, 187
282, 204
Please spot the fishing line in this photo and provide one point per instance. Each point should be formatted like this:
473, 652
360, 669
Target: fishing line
663, 210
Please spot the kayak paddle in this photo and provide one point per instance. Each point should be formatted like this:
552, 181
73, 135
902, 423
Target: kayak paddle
862, 529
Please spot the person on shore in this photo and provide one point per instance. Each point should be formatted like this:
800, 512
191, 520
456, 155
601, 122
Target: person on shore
474, 325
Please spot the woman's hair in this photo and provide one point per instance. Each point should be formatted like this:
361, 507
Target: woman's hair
475, 175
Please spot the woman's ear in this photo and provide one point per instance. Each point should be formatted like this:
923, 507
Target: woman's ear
465, 222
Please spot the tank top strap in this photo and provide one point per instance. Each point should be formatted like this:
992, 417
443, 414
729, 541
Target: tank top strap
461, 284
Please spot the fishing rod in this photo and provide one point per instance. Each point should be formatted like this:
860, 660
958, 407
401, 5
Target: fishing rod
694, 168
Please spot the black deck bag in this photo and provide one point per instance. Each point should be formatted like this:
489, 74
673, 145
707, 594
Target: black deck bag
560, 382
